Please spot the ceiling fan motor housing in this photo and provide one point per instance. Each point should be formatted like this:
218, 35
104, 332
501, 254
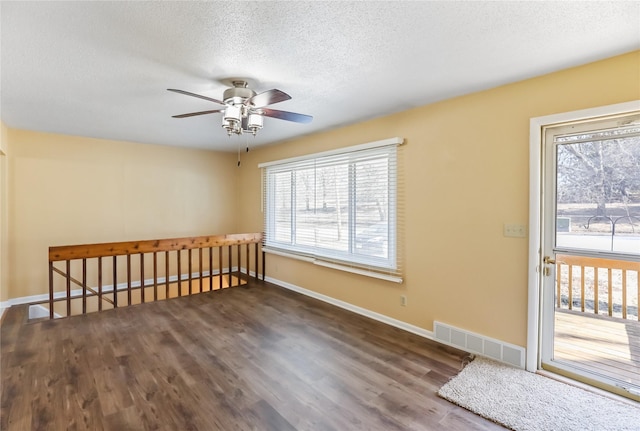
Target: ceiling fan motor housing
238, 94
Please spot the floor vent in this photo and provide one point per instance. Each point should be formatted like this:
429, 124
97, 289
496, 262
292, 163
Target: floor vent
476, 343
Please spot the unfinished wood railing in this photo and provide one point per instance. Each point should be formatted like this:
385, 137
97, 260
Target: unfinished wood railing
596, 285
112, 275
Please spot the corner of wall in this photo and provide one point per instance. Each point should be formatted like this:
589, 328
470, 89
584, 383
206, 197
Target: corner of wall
4, 213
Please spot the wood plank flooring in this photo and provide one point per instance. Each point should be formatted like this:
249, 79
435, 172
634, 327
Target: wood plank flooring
246, 358
599, 344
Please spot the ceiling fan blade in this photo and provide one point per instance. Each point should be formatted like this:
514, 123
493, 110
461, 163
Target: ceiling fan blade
196, 95
284, 115
269, 97
193, 114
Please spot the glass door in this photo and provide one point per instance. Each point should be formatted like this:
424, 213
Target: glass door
591, 248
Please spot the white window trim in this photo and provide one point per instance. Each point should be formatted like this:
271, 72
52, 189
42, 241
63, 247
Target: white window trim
367, 146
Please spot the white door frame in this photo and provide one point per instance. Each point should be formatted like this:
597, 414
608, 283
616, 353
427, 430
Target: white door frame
535, 214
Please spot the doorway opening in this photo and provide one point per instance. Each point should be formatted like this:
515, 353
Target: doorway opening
586, 248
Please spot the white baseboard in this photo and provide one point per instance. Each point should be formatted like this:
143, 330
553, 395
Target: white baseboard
38, 311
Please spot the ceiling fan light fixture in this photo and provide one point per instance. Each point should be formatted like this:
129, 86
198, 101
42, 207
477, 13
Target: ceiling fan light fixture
232, 113
255, 123
231, 119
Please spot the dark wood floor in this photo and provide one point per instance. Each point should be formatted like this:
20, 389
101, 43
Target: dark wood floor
245, 358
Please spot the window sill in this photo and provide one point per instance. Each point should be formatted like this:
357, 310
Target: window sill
345, 268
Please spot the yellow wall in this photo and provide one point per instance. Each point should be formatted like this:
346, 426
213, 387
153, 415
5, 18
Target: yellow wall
4, 224
74, 190
466, 164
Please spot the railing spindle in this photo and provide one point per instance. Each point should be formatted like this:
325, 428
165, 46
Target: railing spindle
190, 270
50, 290
256, 261
220, 271
638, 293
179, 273
596, 294
68, 288
100, 283
230, 271
128, 279
115, 282
570, 286
155, 276
624, 294
84, 284
582, 301
166, 273
610, 292
558, 285
142, 278
210, 268
239, 249
247, 263
200, 269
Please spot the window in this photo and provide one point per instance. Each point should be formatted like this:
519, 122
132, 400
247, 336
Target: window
598, 186
337, 207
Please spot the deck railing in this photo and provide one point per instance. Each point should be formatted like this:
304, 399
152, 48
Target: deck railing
599, 286
117, 274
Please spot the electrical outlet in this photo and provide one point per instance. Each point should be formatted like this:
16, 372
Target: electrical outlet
515, 230
403, 300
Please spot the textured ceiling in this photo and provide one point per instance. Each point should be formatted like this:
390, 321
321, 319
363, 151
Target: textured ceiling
101, 69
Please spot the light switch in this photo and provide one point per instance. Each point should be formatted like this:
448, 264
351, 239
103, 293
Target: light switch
515, 230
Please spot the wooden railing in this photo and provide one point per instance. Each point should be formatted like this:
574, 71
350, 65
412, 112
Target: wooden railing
600, 286
117, 274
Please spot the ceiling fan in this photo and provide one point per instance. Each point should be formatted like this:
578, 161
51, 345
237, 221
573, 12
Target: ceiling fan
244, 110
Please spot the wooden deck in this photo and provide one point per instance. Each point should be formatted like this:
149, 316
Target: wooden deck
598, 344
247, 358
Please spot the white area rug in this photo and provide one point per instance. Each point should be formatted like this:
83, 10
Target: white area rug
525, 401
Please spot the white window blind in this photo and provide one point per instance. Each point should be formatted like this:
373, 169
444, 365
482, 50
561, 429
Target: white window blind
337, 208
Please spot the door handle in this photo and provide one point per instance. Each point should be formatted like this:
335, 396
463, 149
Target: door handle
548, 260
